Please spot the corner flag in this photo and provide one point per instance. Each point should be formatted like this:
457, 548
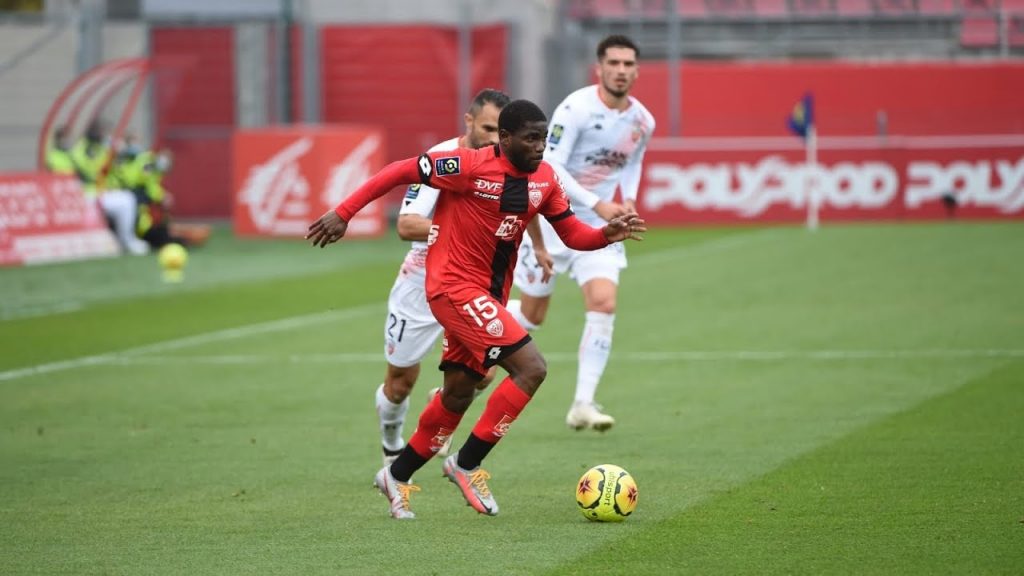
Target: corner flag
802, 117
801, 123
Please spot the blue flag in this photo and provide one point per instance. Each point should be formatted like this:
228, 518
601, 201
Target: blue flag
802, 117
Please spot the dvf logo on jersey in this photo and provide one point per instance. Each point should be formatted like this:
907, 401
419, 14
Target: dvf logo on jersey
495, 328
448, 166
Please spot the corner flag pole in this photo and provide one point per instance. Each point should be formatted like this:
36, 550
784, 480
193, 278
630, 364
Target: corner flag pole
811, 179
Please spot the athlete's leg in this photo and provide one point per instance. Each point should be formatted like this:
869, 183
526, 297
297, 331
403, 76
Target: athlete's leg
527, 370
598, 275
410, 331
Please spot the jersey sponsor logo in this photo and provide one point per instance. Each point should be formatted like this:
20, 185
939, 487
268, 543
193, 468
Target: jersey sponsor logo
501, 428
508, 228
486, 185
535, 197
495, 328
607, 157
555, 136
424, 166
486, 189
447, 166
533, 185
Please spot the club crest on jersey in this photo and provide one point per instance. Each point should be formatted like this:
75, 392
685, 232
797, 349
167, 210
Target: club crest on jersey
447, 166
556, 134
639, 130
495, 328
535, 197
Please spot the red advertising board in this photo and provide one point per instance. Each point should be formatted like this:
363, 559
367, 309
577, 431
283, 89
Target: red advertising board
46, 218
730, 180
284, 178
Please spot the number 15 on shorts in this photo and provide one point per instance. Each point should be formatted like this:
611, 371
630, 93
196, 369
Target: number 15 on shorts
480, 309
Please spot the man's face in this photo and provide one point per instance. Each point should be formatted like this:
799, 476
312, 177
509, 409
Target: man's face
617, 70
482, 129
525, 147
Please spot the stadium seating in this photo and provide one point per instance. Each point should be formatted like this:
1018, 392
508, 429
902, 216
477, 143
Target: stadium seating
979, 32
854, 7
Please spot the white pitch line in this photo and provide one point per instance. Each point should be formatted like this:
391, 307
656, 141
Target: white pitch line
196, 340
681, 356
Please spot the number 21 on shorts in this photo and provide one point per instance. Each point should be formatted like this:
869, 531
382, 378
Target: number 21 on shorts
480, 309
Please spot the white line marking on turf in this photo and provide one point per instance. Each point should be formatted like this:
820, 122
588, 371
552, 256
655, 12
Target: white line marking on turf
682, 356
196, 340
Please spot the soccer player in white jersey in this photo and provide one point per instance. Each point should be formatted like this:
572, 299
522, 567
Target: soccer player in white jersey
410, 329
596, 142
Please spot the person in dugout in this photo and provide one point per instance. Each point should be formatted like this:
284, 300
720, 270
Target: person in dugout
142, 172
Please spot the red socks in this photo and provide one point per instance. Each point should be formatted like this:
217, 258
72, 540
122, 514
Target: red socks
504, 405
436, 424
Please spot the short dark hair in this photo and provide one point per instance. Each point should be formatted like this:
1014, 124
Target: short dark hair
616, 41
517, 113
497, 98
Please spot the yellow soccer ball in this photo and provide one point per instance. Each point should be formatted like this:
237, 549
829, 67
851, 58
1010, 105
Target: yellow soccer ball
606, 493
172, 258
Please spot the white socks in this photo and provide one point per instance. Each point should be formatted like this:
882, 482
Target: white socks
392, 417
516, 308
595, 347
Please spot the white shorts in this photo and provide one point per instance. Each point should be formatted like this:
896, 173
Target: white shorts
581, 266
410, 330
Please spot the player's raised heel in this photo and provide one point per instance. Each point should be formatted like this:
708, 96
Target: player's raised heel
396, 492
473, 484
588, 415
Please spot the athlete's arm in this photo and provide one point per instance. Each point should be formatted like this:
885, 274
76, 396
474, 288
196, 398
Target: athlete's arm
414, 216
413, 227
540, 251
331, 227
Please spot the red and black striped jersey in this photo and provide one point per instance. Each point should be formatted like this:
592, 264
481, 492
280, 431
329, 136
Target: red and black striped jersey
482, 210
481, 216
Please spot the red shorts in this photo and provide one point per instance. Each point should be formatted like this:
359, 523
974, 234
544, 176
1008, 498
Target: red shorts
478, 331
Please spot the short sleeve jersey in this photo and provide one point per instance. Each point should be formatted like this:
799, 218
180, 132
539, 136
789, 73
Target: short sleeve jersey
595, 144
481, 215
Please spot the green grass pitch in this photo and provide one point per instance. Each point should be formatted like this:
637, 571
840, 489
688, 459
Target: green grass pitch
849, 401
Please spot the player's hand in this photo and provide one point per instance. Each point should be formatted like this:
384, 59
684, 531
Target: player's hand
328, 229
546, 263
629, 226
609, 210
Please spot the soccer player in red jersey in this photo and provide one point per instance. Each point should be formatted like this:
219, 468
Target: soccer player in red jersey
487, 197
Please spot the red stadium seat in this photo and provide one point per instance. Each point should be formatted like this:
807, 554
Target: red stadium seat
897, 7
979, 31
813, 7
937, 7
976, 6
730, 7
771, 8
854, 7
691, 8
1015, 31
1014, 7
